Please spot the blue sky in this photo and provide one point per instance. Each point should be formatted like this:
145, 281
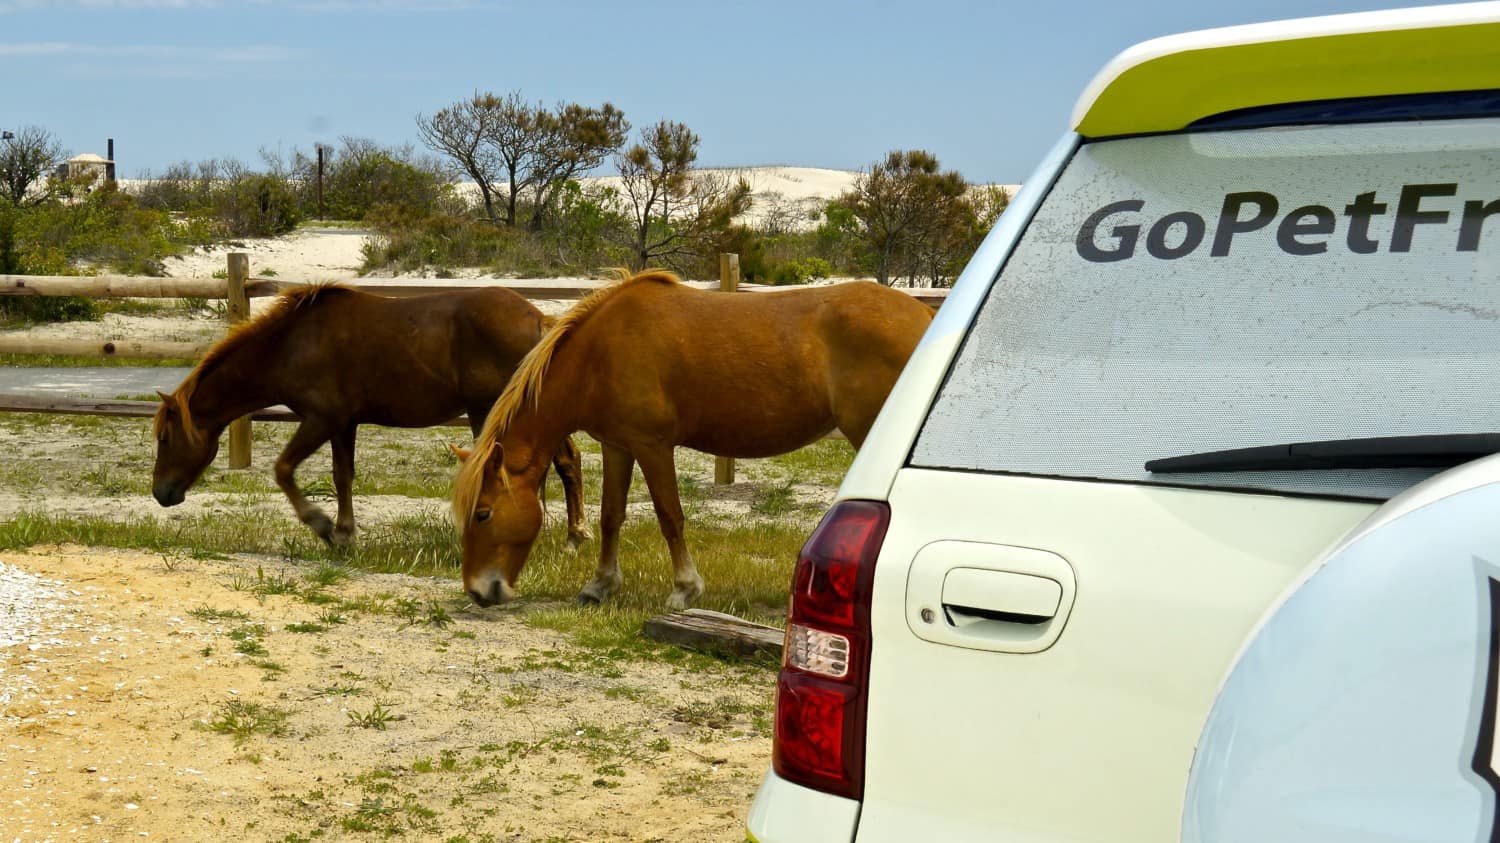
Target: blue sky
986, 86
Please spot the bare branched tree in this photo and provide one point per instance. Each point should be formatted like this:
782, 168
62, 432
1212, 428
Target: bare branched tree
675, 213
25, 162
510, 147
464, 131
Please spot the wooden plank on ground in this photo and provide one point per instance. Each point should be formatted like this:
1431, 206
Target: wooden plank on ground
700, 629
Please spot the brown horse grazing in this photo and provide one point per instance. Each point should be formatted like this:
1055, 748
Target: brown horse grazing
340, 358
650, 364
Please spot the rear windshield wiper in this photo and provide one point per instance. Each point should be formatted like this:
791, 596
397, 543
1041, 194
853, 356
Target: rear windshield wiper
1435, 451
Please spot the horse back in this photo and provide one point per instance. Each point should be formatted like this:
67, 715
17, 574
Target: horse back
409, 361
747, 374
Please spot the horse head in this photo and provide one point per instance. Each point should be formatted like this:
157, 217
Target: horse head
499, 527
182, 451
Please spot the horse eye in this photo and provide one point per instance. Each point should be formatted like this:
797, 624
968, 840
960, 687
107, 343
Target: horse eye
482, 516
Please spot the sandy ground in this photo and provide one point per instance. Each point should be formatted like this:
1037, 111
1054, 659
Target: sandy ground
129, 685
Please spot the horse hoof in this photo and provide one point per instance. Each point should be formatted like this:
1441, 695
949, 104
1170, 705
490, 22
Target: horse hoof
322, 525
587, 600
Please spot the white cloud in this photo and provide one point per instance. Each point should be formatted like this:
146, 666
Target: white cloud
45, 48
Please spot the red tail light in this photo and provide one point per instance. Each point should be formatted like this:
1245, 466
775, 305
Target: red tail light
820, 696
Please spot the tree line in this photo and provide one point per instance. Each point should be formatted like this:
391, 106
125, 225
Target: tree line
532, 211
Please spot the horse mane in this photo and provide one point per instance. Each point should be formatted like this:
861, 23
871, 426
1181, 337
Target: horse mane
288, 303
526, 385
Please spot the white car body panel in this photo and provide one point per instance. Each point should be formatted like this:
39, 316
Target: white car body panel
786, 812
1178, 579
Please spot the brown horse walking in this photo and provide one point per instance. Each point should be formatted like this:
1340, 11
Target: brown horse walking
340, 358
649, 364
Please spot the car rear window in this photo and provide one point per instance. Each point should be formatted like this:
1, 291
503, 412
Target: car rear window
1185, 293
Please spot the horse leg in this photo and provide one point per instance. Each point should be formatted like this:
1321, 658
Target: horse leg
343, 484
619, 466
568, 463
660, 470
308, 438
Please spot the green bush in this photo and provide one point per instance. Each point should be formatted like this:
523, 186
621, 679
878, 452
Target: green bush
360, 176
224, 199
101, 230
578, 238
407, 242
32, 309
258, 206
799, 271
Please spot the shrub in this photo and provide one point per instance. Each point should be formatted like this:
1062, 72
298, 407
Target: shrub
225, 199
799, 271
361, 176
101, 229
406, 242
31, 309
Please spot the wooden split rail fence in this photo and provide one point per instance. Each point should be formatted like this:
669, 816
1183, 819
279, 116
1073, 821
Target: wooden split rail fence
237, 289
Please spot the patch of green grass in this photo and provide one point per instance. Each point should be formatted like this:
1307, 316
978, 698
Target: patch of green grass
824, 462
305, 628
348, 689
243, 719
423, 545
263, 586
775, 500
247, 639
379, 717
206, 613
327, 574
415, 612
717, 714
746, 569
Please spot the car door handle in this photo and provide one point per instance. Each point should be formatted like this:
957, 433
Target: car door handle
974, 595
993, 597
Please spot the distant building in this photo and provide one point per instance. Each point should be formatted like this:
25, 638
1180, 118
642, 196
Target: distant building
87, 164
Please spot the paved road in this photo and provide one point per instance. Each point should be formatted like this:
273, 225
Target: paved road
93, 382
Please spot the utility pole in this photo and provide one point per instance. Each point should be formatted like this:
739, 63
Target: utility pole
321, 148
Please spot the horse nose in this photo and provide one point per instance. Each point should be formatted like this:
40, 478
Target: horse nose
168, 495
492, 596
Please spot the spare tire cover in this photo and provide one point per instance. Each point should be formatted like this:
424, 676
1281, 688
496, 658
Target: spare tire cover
1363, 709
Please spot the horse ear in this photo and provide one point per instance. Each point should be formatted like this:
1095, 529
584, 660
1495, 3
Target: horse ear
463, 454
168, 400
497, 459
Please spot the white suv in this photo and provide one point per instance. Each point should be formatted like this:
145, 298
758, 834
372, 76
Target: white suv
1133, 477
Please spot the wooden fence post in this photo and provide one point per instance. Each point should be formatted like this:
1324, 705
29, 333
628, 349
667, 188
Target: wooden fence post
729, 282
237, 312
